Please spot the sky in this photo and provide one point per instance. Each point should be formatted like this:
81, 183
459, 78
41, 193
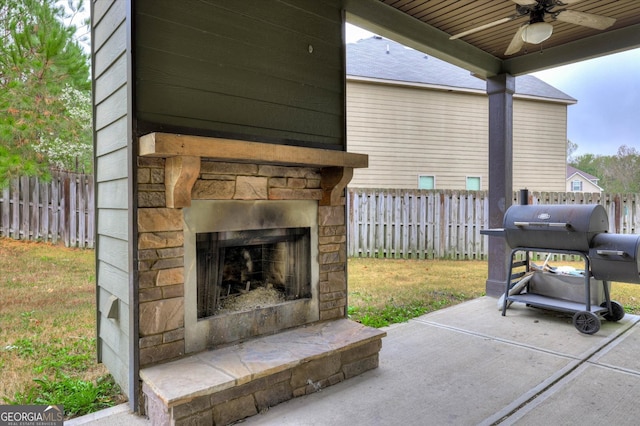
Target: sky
607, 89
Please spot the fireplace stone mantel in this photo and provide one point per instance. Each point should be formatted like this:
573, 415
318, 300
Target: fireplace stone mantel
184, 152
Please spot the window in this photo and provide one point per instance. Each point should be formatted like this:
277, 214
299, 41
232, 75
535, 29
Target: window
576, 185
426, 182
473, 183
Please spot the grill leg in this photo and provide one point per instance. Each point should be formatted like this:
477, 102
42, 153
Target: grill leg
607, 297
508, 284
587, 283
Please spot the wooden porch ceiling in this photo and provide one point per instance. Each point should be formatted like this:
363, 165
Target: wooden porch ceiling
426, 25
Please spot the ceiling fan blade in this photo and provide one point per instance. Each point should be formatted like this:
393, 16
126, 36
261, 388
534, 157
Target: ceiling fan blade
485, 26
516, 42
590, 20
525, 2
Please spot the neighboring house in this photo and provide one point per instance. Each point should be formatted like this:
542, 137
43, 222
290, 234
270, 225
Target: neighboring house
579, 181
424, 123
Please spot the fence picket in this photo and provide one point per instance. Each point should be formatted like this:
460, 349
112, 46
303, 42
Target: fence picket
73, 210
82, 221
15, 211
422, 227
34, 205
398, 224
413, 235
24, 222
430, 220
91, 230
379, 233
6, 211
45, 212
55, 209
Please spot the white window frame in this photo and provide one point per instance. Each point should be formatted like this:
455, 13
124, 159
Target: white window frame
573, 185
466, 183
433, 177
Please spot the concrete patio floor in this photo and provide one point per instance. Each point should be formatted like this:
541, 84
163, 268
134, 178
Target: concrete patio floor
468, 365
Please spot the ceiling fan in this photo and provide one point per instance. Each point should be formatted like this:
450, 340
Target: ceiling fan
538, 29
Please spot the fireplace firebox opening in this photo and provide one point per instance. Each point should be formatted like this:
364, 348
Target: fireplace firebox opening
250, 268
245, 270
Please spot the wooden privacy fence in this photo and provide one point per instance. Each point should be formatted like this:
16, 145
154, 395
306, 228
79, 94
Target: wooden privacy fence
61, 210
420, 224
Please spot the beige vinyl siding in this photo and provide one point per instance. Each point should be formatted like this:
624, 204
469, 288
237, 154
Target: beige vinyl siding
409, 131
112, 200
539, 145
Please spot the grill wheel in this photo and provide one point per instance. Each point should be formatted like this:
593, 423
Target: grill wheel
586, 322
616, 309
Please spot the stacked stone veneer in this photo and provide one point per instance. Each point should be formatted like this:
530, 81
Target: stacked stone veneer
161, 242
231, 383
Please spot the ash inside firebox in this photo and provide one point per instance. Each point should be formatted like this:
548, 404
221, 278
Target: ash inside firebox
261, 297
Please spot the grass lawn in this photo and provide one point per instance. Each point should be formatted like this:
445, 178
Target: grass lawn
386, 291
48, 315
48, 328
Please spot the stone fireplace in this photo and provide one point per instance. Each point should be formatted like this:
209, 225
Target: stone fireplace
242, 277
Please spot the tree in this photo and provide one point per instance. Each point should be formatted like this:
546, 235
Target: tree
45, 108
617, 173
622, 171
588, 163
572, 147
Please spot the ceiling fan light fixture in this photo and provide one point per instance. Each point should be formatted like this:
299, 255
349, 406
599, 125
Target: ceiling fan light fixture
537, 32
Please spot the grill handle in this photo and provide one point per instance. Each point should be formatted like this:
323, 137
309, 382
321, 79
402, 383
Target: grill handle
545, 224
611, 253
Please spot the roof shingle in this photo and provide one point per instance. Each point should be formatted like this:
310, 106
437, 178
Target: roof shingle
380, 58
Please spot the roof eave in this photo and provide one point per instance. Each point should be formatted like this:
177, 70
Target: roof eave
415, 84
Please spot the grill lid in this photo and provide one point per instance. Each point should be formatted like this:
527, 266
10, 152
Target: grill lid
558, 227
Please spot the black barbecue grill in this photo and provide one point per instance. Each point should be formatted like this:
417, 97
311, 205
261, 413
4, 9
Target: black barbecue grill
579, 230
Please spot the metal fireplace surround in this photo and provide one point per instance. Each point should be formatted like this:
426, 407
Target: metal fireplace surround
232, 215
